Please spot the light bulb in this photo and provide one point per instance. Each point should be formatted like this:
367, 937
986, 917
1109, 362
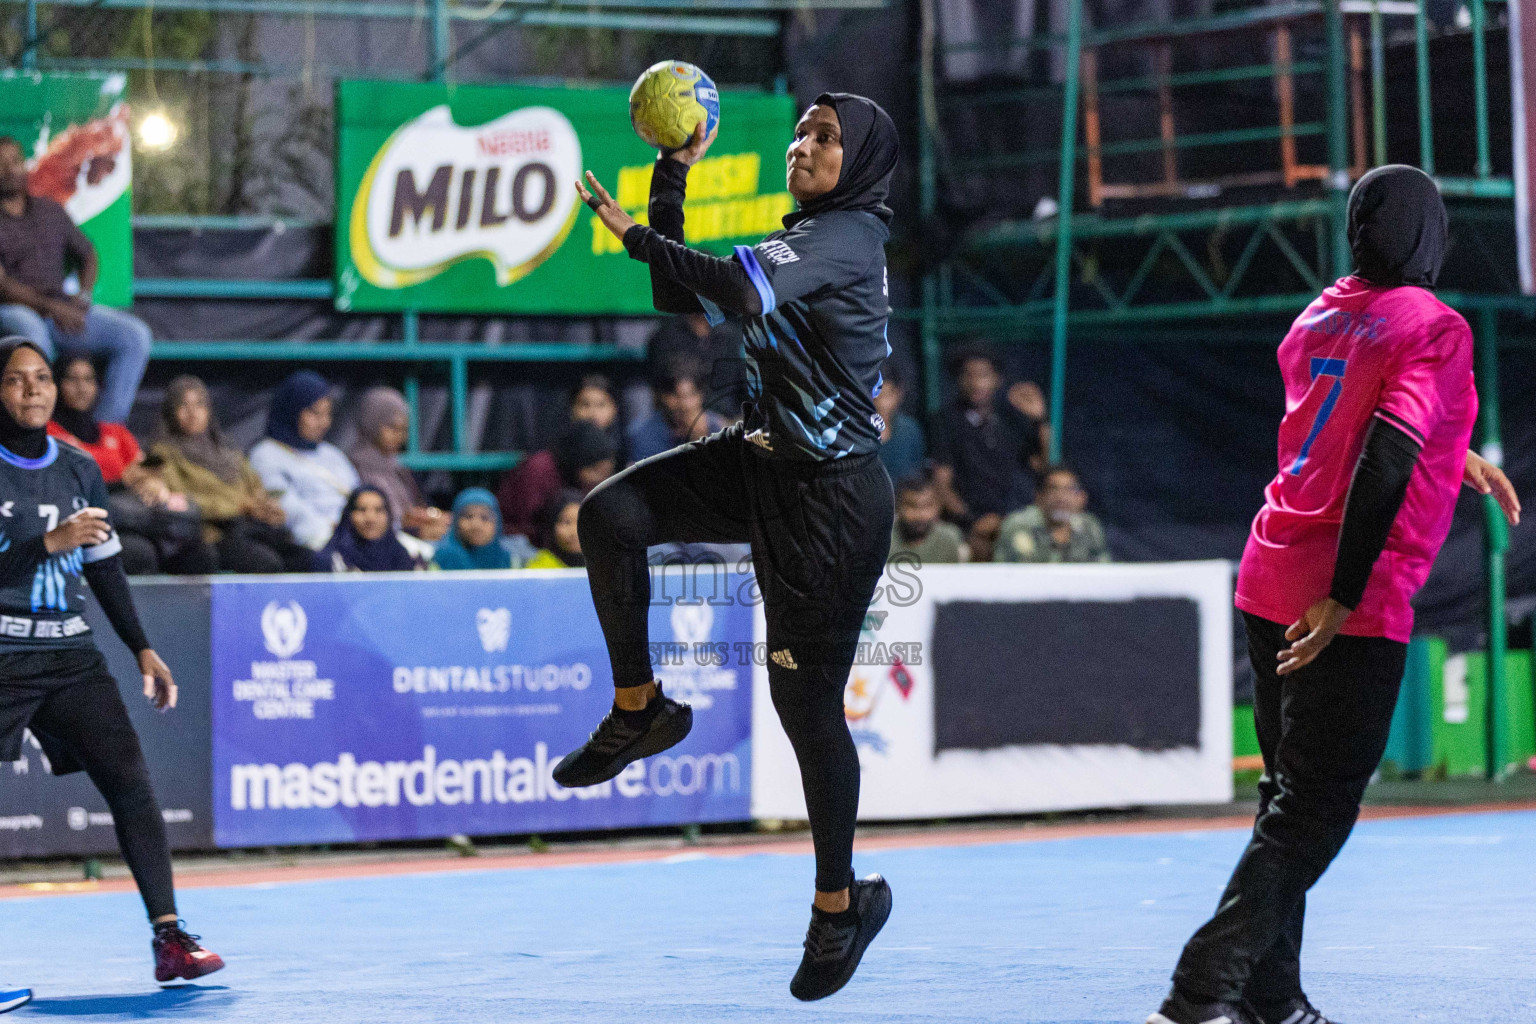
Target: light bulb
157, 131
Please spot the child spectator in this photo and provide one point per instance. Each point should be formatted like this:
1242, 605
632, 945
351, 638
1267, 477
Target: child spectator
526, 488
310, 477
161, 530
475, 540
365, 539
919, 532
564, 547
1055, 528
241, 521
383, 423
680, 417
987, 449
902, 446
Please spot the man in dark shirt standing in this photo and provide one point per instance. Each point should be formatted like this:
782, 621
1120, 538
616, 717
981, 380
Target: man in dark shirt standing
987, 450
39, 246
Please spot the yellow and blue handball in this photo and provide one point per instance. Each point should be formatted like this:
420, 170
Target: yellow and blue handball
668, 102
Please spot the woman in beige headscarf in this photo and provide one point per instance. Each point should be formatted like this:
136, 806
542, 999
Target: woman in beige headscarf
383, 421
242, 521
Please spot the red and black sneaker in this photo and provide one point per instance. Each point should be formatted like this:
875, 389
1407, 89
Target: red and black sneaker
177, 954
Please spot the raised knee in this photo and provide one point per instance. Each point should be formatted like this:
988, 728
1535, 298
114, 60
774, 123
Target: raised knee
611, 515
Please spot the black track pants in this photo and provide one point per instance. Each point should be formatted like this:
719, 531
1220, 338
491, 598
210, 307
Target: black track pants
75, 707
819, 534
1322, 731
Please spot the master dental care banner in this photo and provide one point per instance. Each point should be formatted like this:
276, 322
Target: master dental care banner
409, 706
462, 198
74, 132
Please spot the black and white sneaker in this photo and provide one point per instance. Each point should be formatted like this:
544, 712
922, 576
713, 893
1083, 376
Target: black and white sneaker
623, 737
1178, 1010
835, 943
1296, 1011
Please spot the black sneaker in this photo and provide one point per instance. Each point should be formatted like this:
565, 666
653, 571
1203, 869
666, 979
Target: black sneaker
1296, 1011
834, 947
1178, 1010
615, 743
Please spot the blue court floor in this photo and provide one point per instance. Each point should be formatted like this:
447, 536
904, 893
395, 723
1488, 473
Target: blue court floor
1427, 919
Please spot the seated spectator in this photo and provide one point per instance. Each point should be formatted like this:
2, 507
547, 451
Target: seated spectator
475, 540
310, 477
383, 422
680, 415
987, 449
365, 539
39, 248
717, 350
1055, 528
563, 550
241, 521
902, 447
526, 488
161, 530
919, 531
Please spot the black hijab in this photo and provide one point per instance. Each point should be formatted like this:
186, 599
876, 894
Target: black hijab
27, 442
358, 554
81, 424
1397, 227
869, 157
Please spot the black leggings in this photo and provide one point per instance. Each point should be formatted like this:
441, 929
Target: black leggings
1322, 730
819, 534
80, 718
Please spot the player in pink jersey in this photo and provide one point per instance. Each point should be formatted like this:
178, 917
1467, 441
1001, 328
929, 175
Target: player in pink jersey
1379, 408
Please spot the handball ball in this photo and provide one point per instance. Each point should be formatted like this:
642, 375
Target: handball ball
668, 102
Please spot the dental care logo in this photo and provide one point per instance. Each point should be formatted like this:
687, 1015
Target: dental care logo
437, 194
495, 628
701, 668
692, 623
283, 626
285, 688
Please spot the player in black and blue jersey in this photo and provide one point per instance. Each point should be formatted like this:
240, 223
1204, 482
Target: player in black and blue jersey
54, 539
799, 479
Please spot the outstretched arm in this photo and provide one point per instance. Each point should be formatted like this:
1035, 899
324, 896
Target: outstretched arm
722, 281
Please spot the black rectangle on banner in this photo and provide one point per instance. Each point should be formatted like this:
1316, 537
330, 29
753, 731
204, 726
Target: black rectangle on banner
1012, 673
42, 815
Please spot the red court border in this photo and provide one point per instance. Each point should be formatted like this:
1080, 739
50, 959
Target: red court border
928, 838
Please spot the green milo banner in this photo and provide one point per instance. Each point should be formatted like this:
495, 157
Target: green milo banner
74, 131
462, 198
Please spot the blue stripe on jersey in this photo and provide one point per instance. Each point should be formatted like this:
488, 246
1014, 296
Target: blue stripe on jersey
41, 462
754, 271
713, 313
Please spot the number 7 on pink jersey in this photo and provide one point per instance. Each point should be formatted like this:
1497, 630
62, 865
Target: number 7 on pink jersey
1321, 367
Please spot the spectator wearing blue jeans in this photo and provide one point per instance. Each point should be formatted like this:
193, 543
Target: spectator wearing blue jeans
39, 247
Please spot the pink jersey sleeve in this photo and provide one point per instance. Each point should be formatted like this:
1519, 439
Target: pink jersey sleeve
1410, 387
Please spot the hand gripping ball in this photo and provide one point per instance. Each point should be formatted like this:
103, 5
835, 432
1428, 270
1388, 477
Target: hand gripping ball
669, 100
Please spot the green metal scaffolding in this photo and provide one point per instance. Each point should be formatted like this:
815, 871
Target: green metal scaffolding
1291, 226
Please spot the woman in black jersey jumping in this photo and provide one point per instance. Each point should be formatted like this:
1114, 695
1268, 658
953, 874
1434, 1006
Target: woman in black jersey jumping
54, 534
799, 480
